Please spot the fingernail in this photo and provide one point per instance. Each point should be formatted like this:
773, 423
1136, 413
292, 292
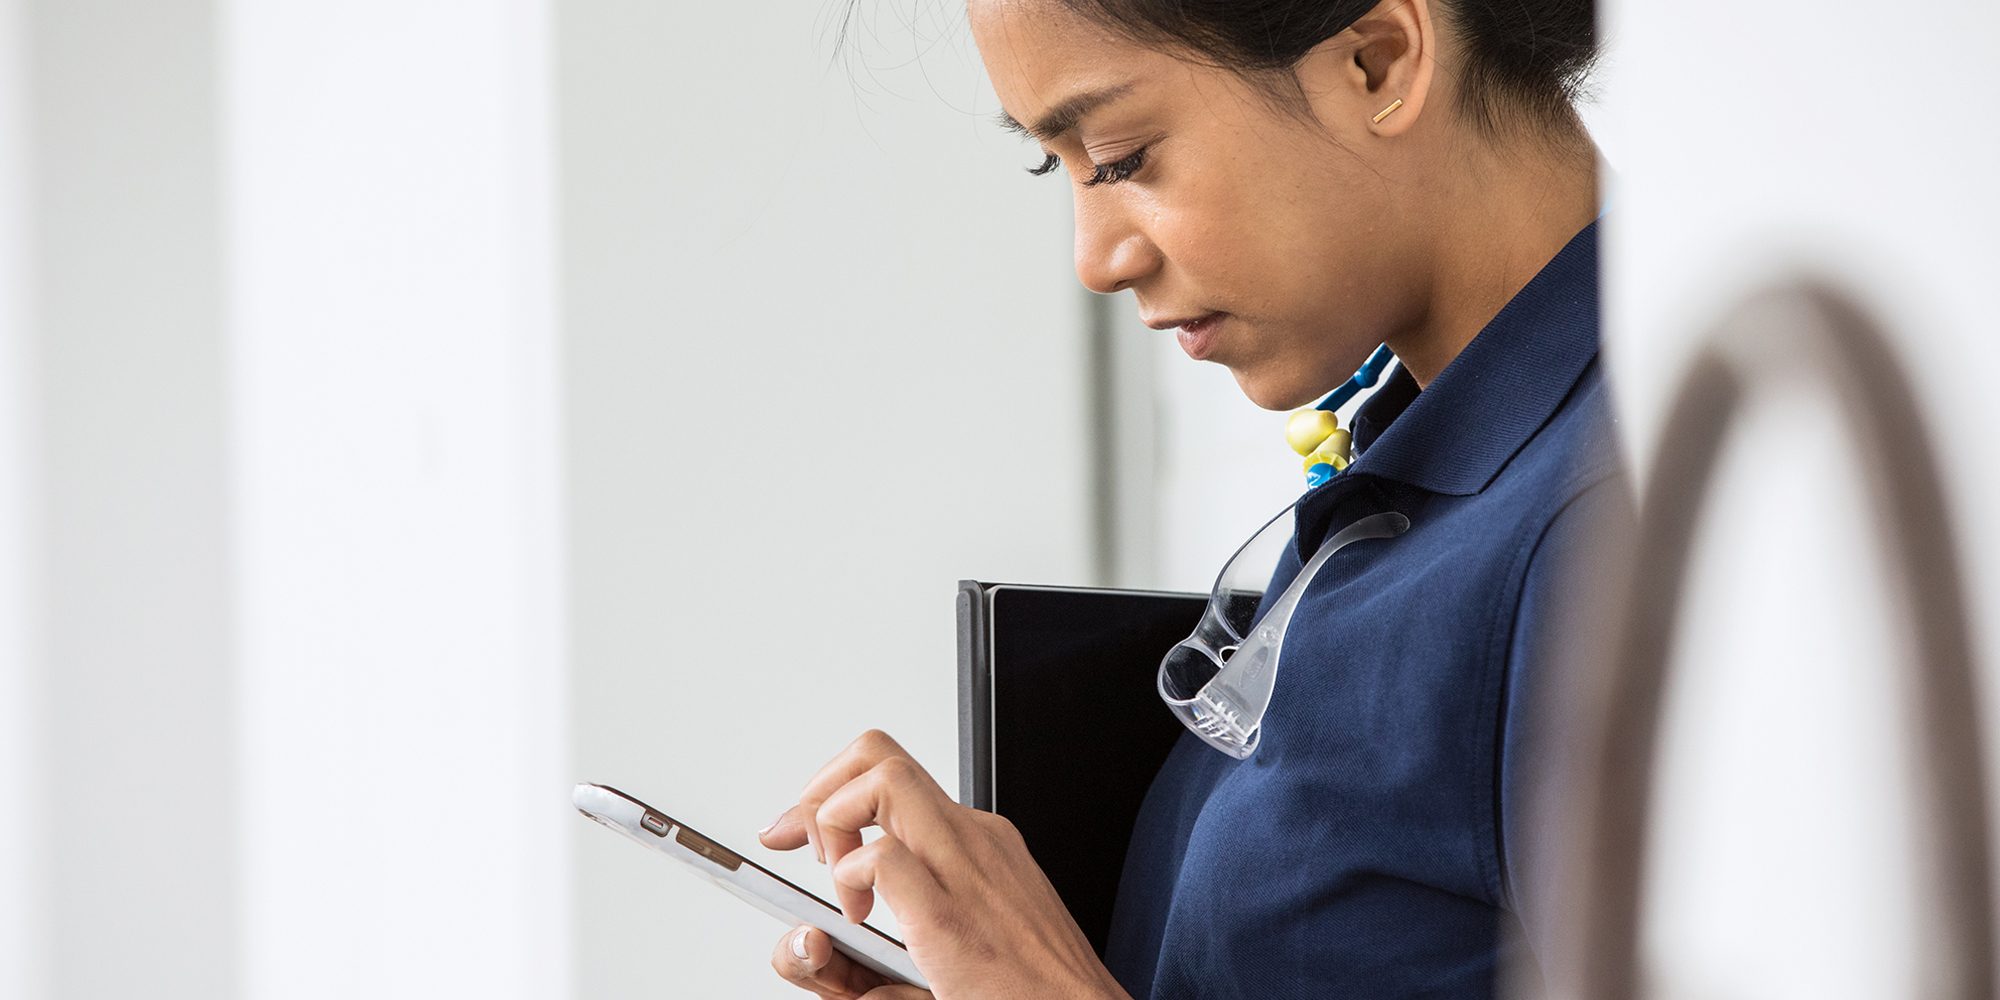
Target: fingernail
799, 943
772, 825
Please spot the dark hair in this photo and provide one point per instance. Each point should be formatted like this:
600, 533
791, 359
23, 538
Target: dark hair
1524, 59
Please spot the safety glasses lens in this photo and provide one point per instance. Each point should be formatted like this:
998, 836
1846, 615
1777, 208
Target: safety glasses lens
1239, 588
1185, 670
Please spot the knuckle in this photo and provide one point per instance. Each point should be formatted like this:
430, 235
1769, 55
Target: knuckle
850, 861
899, 771
1005, 831
884, 851
1006, 826
874, 741
995, 825
850, 871
996, 840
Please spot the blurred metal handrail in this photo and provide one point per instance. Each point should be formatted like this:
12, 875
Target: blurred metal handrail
1797, 330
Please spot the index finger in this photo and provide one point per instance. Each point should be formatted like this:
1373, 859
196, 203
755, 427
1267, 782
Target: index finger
798, 825
896, 795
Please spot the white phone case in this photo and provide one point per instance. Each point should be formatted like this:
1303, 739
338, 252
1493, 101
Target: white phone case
746, 880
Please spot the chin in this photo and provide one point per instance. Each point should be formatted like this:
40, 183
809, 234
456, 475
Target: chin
1276, 394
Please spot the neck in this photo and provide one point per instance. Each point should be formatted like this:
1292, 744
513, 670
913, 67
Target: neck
1493, 233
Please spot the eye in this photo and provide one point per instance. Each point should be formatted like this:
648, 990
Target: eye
1112, 173
1109, 173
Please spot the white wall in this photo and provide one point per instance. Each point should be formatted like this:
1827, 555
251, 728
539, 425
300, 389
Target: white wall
825, 358
1757, 140
394, 499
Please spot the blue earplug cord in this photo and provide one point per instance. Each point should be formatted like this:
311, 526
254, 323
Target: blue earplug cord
1365, 377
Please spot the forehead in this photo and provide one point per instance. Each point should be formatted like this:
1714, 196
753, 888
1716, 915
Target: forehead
1039, 52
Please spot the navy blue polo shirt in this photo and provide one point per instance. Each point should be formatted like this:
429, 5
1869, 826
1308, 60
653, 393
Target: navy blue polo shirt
1373, 845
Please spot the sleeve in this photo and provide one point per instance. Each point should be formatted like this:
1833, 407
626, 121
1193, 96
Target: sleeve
1564, 626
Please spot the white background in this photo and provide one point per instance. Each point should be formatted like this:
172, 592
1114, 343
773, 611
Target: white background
406, 410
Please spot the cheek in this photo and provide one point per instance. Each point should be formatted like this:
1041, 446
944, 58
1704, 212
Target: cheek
1278, 243
1222, 242
1320, 266
1270, 239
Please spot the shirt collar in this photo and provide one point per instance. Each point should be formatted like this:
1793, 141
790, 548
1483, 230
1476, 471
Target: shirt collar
1455, 436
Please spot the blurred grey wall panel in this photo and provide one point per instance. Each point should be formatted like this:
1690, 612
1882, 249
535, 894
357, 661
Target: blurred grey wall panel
23, 942
136, 589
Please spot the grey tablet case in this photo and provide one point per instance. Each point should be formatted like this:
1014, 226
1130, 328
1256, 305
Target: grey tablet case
1060, 726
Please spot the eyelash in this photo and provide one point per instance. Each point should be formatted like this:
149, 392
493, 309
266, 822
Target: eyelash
1109, 173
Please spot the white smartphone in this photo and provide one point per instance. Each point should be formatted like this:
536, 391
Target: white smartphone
746, 880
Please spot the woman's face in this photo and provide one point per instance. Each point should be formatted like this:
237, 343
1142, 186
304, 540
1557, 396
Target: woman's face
1285, 230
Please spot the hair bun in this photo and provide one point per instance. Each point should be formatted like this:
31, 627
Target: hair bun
1534, 50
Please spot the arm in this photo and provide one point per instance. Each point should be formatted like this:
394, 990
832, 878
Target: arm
1563, 629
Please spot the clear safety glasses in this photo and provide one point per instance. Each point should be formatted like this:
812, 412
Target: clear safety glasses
1219, 679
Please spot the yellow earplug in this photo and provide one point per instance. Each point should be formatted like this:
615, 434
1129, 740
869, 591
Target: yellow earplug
1308, 429
1336, 451
1340, 442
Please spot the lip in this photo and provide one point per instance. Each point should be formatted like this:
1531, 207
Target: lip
1196, 333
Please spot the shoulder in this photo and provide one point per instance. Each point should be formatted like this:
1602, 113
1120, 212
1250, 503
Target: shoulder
1587, 505
1559, 623
1574, 453
1566, 488
1573, 540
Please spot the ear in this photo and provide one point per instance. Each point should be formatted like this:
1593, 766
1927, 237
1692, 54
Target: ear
1387, 56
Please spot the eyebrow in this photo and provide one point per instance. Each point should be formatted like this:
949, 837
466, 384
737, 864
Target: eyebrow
1064, 116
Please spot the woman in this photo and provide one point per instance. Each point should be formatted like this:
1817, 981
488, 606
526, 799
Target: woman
1289, 184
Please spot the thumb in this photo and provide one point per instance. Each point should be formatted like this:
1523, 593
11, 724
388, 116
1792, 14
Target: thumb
805, 957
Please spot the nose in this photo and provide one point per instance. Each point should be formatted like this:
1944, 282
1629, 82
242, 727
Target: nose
1112, 254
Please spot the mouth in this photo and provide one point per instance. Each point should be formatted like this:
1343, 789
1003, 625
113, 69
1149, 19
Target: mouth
1197, 334
1199, 337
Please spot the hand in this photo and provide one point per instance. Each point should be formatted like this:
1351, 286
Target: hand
979, 917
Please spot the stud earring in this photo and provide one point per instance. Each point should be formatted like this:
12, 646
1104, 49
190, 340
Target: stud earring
1386, 112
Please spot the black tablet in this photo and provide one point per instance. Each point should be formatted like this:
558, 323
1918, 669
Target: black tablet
1061, 727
